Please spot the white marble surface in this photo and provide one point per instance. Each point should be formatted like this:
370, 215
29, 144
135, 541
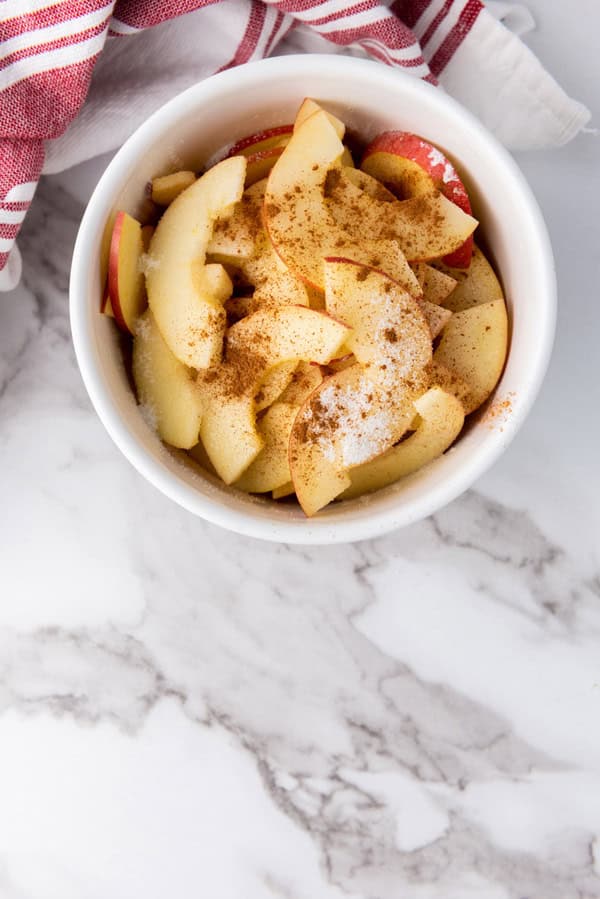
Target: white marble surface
186, 713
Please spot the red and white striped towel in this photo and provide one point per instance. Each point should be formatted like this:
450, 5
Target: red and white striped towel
141, 52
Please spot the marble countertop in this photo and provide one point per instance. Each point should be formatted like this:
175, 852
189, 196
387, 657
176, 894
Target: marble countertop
188, 713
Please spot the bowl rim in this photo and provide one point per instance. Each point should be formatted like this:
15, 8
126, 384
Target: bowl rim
369, 522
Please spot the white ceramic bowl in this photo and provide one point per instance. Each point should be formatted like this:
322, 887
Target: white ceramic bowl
370, 98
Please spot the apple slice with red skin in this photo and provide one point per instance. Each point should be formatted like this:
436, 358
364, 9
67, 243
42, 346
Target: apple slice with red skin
426, 227
312, 208
262, 140
411, 166
125, 277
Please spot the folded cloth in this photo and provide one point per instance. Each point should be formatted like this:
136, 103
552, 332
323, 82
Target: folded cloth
124, 58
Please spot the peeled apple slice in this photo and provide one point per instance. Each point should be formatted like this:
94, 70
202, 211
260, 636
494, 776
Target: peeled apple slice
296, 217
477, 285
165, 387
167, 187
473, 346
275, 382
271, 468
190, 317
255, 345
309, 107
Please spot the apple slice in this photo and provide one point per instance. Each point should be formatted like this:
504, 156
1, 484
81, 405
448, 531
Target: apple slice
345, 422
346, 159
437, 286
305, 379
384, 255
296, 217
440, 423
285, 490
258, 262
308, 185
261, 163
167, 187
254, 345
412, 167
418, 270
125, 277
448, 381
473, 346
166, 388
436, 317
106, 305
271, 468
262, 140
477, 285
352, 419
236, 235
315, 480
426, 227
200, 456
390, 336
181, 295
366, 182
273, 283
308, 108
274, 384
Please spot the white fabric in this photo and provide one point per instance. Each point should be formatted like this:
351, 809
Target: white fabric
513, 16
499, 79
492, 73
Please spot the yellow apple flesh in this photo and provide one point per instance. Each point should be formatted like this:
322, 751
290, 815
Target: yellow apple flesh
255, 345
167, 187
441, 417
275, 382
190, 317
473, 345
308, 108
390, 336
426, 227
165, 387
305, 379
271, 468
294, 210
437, 286
235, 235
285, 490
477, 285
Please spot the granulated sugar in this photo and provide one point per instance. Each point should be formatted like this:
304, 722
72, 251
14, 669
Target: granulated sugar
402, 341
437, 158
354, 426
148, 263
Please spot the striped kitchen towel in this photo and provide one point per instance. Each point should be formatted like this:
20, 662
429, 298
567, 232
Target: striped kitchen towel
141, 52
